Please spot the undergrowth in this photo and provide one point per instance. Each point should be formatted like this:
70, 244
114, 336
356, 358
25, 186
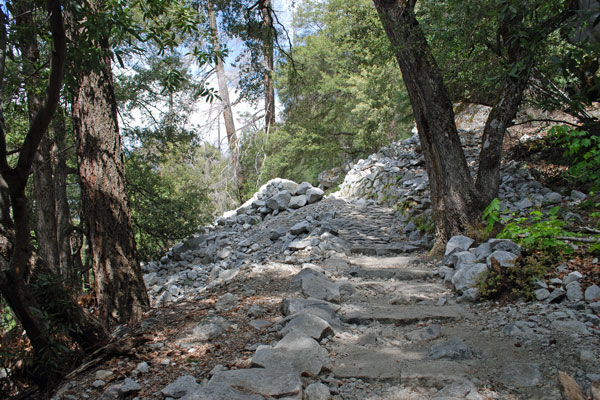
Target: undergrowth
538, 235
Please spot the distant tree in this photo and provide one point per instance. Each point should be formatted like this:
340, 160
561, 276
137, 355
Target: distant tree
342, 96
232, 139
256, 24
457, 200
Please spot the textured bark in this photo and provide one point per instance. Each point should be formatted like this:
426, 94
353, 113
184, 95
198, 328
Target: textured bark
268, 64
500, 118
519, 52
16, 261
119, 287
63, 213
43, 176
224, 94
456, 203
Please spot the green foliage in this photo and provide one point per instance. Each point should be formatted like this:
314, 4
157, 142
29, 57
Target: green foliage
343, 95
491, 214
424, 223
168, 196
539, 232
514, 282
582, 150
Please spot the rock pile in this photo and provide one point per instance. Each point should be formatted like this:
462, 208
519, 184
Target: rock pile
395, 176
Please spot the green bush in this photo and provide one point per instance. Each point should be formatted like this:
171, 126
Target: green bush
539, 232
582, 150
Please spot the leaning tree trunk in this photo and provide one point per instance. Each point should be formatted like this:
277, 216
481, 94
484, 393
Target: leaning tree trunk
224, 94
268, 64
456, 202
120, 290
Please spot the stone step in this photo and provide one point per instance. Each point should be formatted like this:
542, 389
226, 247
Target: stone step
381, 251
364, 314
392, 364
390, 273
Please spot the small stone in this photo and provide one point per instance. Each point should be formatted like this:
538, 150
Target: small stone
317, 391
458, 242
103, 374
129, 387
504, 258
556, 296
98, 383
542, 294
259, 323
142, 367
303, 187
300, 228
576, 195
524, 204
309, 325
592, 293
298, 202
505, 245
278, 233
226, 302
314, 194
571, 326
182, 386
427, 333
572, 277
453, 349
552, 198
574, 292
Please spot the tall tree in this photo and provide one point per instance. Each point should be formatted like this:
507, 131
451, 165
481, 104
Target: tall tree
119, 287
255, 23
232, 139
27, 39
457, 200
268, 63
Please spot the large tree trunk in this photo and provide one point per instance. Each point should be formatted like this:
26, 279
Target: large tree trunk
224, 94
120, 290
456, 202
268, 64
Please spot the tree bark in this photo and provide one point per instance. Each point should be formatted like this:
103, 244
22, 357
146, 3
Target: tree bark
224, 94
63, 212
456, 202
268, 64
16, 260
43, 176
120, 290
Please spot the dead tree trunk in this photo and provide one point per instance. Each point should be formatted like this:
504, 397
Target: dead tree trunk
224, 94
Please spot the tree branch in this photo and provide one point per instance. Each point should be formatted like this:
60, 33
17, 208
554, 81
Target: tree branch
42, 119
